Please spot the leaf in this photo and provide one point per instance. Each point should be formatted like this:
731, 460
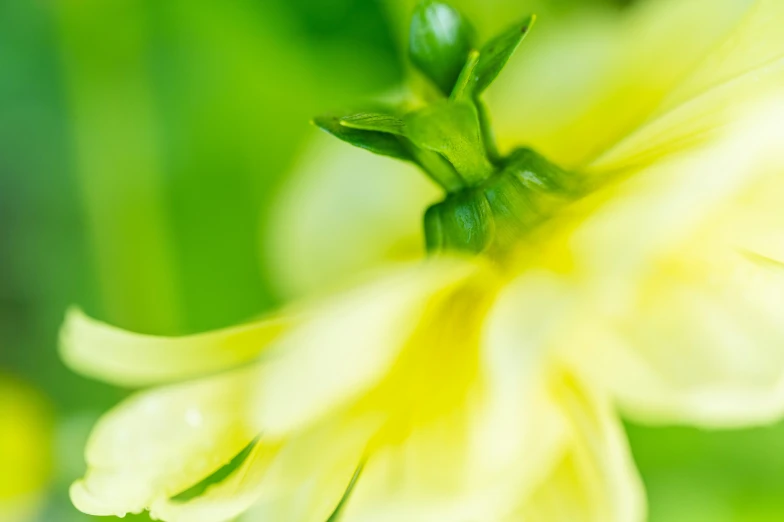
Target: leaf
497, 52
381, 143
439, 42
373, 121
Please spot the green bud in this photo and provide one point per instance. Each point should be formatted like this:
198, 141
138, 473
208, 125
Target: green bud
439, 43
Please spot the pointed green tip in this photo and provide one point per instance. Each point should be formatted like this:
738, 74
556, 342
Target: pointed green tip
496, 53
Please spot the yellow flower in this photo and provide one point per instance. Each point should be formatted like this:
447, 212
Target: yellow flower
24, 451
438, 397
468, 389
672, 110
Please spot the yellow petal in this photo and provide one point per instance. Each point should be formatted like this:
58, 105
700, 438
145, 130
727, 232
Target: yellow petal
595, 479
518, 423
160, 443
300, 479
492, 438
683, 266
315, 471
225, 500
582, 86
348, 345
124, 358
339, 196
746, 65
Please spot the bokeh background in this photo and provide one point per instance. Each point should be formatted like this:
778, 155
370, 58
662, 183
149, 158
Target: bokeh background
142, 145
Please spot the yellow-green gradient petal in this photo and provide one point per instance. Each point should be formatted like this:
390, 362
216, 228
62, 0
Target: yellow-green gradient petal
683, 268
580, 87
348, 344
746, 65
160, 443
104, 352
339, 195
314, 470
299, 479
225, 500
595, 479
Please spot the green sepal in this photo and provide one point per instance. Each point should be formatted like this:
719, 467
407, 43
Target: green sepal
496, 53
452, 129
494, 215
541, 176
375, 121
440, 40
463, 87
488, 136
434, 229
463, 222
383, 143
382, 134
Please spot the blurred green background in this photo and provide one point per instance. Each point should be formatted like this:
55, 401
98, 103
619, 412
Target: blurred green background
141, 143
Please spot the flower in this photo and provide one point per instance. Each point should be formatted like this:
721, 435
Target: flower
396, 383
24, 450
679, 138
482, 388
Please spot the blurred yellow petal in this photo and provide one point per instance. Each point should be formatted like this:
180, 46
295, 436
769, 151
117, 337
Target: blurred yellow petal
692, 295
349, 343
339, 196
315, 471
519, 424
104, 352
468, 444
158, 444
225, 500
746, 66
594, 479
293, 480
582, 86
